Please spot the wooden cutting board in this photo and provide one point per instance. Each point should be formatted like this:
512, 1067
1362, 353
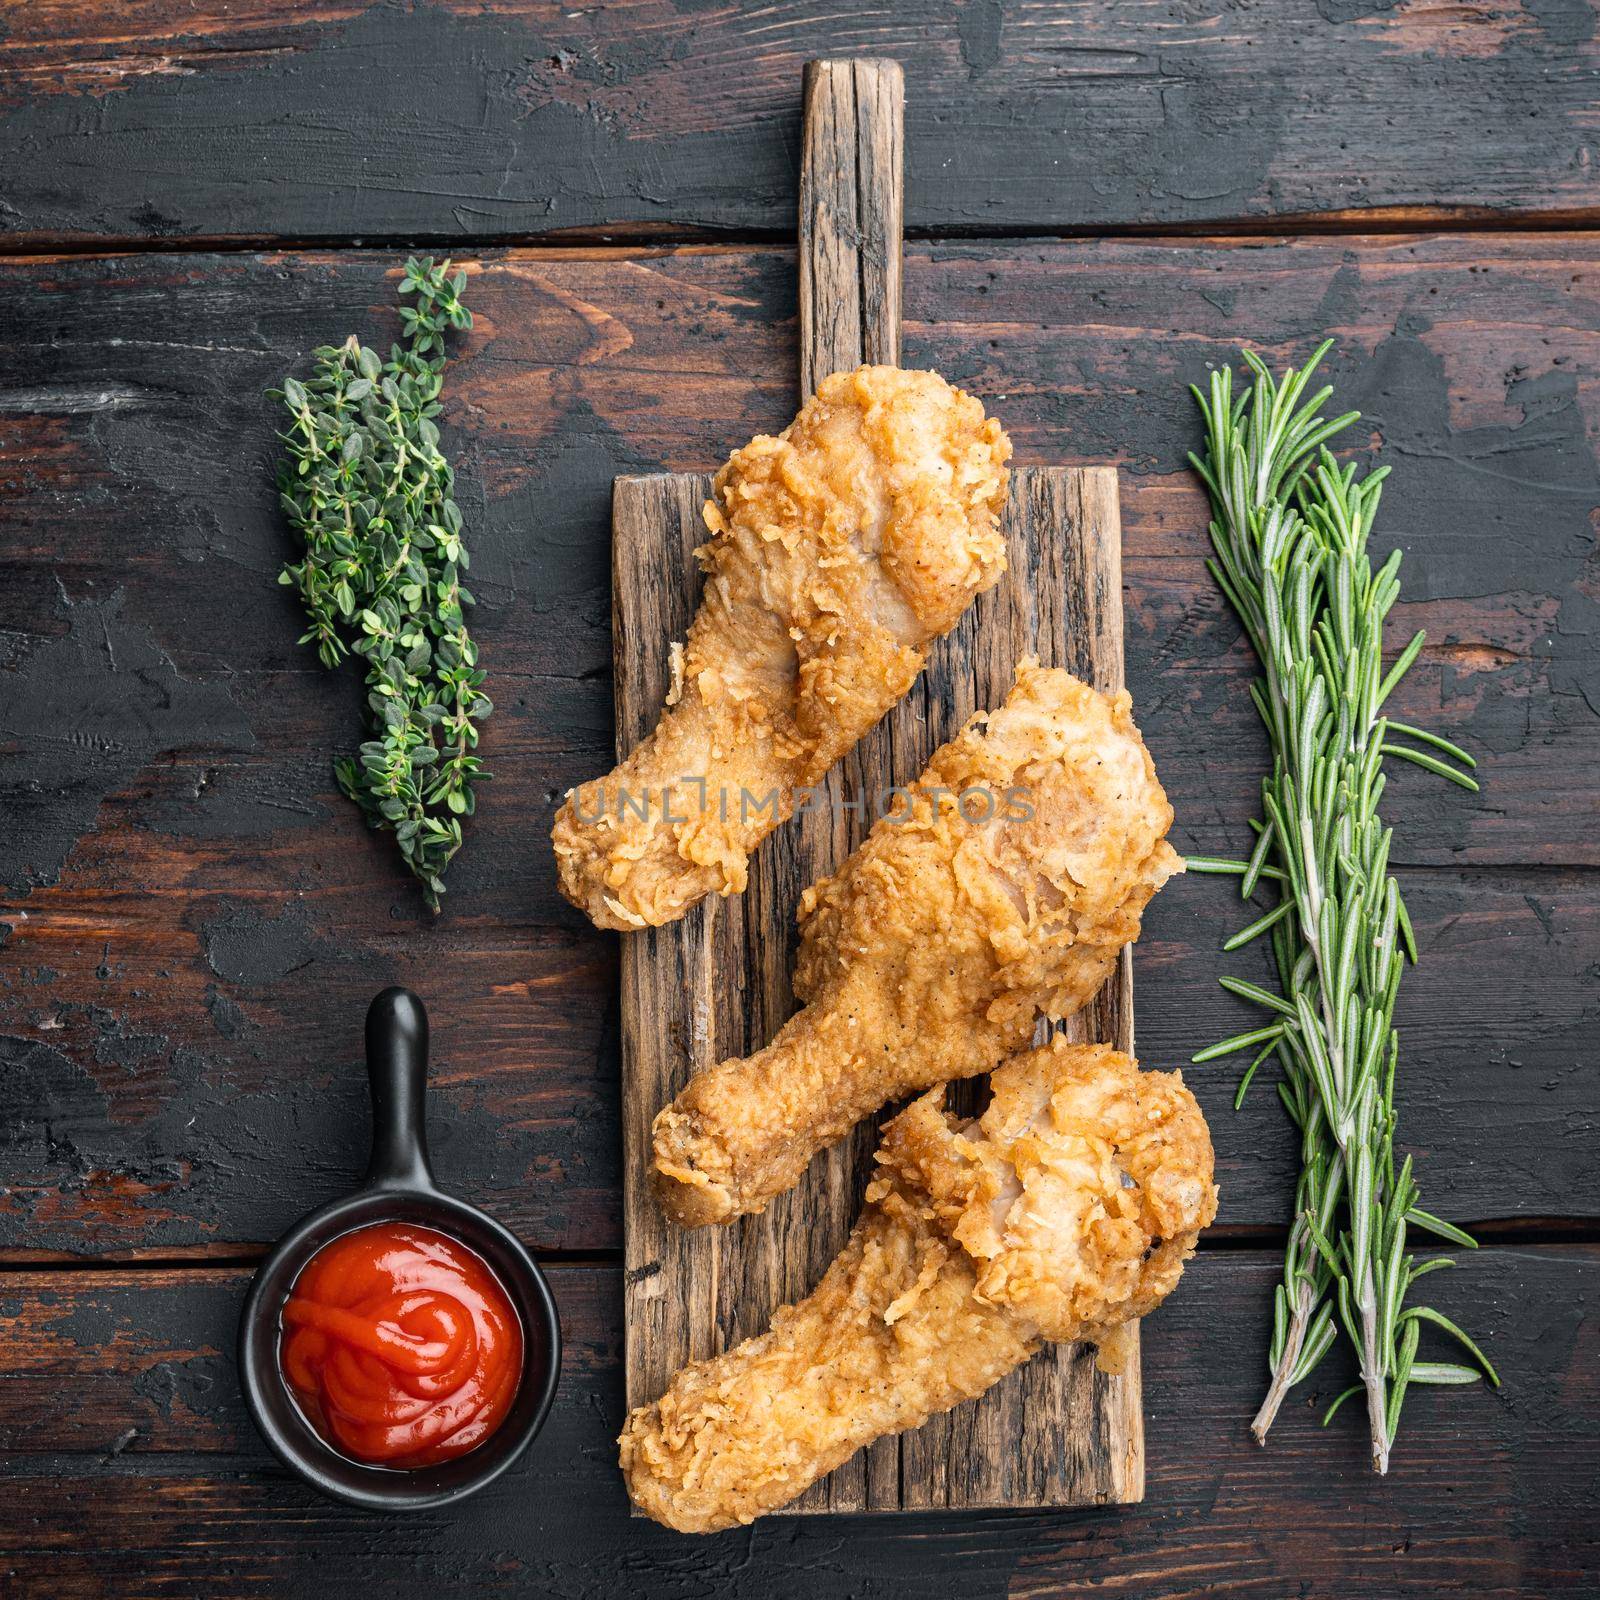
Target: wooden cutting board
1058, 1432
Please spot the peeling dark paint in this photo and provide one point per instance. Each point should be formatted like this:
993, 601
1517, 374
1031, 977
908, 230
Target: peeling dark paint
226, 1017
87, 711
979, 24
248, 947
539, 541
546, 119
118, 1044
1518, 501
45, 1096
1564, 23
177, 1389
558, 1524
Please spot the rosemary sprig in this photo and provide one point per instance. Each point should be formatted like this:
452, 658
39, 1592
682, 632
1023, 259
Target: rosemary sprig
1290, 530
365, 487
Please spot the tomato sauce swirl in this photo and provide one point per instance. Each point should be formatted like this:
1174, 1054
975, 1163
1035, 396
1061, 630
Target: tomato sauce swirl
401, 1346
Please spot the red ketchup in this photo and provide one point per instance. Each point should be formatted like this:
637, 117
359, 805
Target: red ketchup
400, 1346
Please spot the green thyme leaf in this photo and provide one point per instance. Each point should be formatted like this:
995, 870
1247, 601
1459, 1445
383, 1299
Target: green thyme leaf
369, 496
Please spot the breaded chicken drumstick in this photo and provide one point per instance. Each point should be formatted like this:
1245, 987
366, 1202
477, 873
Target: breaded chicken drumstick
1067, 1209
840, 550
1004, 890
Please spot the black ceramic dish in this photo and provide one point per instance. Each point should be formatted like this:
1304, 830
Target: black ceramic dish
399, 1187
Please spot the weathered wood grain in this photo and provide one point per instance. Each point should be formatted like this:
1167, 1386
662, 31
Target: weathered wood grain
711, 986
192, 908
182, 876
134, 388
131, 1469
164, 1107
716, 985
852, 205
340, 119
1060, 1432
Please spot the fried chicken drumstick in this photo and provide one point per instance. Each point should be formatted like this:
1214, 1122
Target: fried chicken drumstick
1065, 1210
1003, 890
840, 550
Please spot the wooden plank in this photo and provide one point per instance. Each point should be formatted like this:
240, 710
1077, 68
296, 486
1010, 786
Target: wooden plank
715, 985
183, 1136
160, 119
852, 203
197, 919
1478, 361
163, 1108
1060, 1432
130, 1468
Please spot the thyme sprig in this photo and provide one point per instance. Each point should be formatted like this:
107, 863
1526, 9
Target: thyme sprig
369, 493
1290, 531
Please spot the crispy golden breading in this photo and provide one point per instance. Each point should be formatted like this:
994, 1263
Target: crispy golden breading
1065, 1210
1003, 890
840, 550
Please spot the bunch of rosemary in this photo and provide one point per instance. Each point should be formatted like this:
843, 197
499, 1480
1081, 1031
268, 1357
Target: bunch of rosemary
367, 490
1290, 532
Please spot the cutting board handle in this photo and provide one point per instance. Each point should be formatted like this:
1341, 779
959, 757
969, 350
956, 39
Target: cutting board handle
852, 217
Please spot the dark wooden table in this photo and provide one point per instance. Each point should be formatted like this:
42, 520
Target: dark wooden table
1103, 199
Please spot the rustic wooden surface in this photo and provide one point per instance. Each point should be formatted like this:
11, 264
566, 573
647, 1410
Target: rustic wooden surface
193, 919
182, 874
715, 985
132, 1470
852, 217
464, 120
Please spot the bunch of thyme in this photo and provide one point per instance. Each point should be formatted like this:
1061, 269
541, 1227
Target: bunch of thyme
1290, 533
367, 490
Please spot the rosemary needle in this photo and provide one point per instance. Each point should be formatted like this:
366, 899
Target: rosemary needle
1290, 529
